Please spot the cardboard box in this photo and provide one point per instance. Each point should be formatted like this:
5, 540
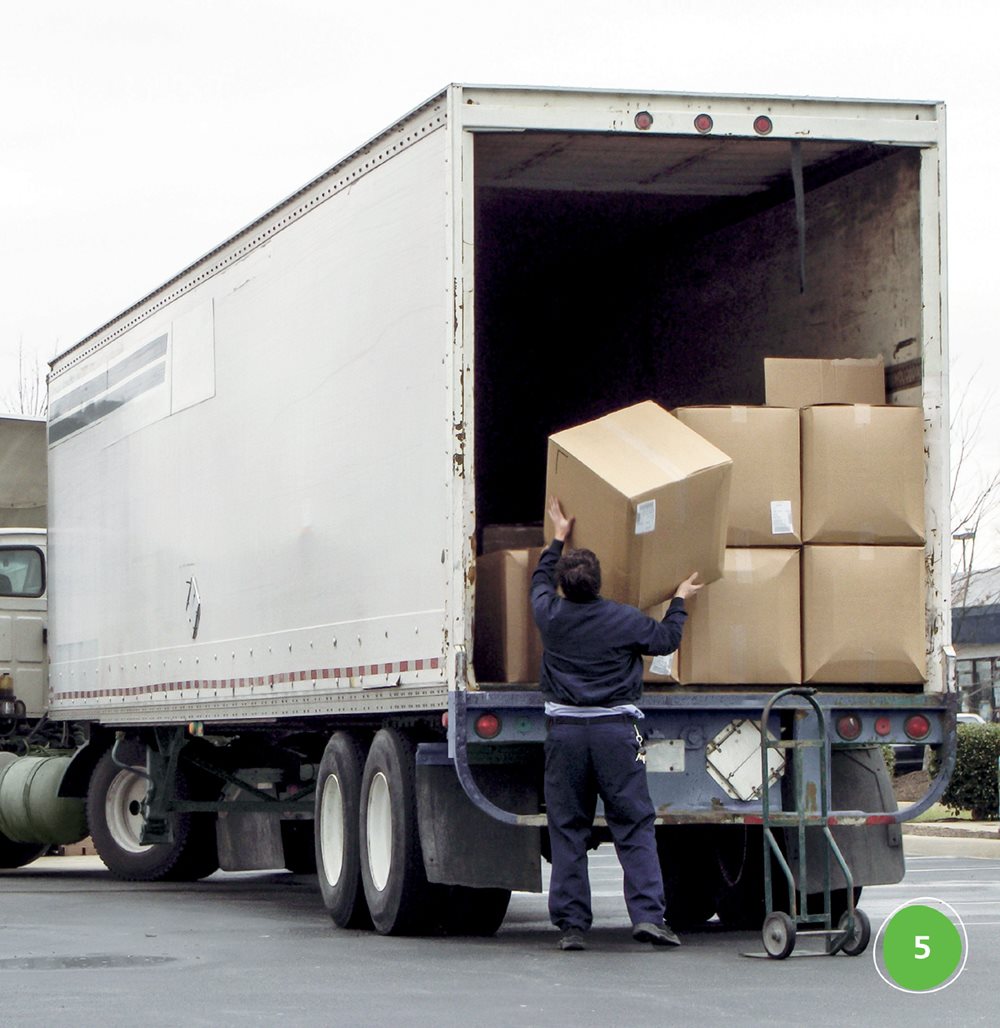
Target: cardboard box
510, 537
802, 382
863, 615
863, 475
763, 442
745, 628
650, 498
508, 647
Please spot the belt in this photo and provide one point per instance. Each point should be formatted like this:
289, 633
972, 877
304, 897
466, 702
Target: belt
590, 719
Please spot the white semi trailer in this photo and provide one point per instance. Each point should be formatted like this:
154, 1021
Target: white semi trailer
270, 478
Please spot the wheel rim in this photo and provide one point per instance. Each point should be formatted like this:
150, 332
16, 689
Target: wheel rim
123, 811
379, 830
778, 935
332, 830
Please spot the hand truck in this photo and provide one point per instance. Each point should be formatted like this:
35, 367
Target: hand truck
780, 930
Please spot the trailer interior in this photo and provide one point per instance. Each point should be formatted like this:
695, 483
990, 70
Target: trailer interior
614, 268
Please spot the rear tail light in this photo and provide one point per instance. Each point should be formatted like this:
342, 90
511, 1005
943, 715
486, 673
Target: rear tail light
762, 125
487, 726
883, 726
917, 727
704, 123
644, 120
849, 726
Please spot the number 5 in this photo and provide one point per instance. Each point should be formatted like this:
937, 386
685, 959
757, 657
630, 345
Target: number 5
923, 950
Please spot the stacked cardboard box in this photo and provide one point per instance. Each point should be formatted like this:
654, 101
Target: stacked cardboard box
863, 614
745, 629
855, 613
863, 475
807, 515
797, 382
763, 443
862, 522
508, 647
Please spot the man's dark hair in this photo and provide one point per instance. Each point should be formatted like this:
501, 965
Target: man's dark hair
578, 573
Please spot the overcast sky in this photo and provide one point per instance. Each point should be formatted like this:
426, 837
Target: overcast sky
138, 135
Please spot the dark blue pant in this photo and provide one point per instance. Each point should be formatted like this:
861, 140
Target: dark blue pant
584, 760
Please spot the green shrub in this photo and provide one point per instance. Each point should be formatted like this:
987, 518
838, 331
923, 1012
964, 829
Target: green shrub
889, 755
973, 784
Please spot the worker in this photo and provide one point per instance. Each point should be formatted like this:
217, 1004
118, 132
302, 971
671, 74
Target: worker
591, 679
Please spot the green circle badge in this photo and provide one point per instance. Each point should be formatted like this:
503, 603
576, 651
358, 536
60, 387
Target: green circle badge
923, 946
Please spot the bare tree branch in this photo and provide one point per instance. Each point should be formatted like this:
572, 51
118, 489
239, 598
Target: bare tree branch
29, 395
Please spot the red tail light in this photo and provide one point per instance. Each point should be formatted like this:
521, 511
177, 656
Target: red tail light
704, 123
883, 726
917, 727
849, 726
762, 125
488, 726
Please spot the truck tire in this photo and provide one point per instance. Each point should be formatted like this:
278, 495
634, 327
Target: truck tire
337, 835
468, 911
691, 878
392, 867
115, 822
17, 854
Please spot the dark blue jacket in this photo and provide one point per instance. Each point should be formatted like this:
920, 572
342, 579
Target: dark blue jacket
593, 651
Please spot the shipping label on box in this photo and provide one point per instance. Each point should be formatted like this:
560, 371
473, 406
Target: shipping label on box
802, 382
763, 442
507, 644
650, 498
863, 615
863, 475
745, 628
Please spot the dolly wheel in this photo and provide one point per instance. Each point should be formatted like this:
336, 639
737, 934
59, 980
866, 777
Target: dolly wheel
857, 941
778, 934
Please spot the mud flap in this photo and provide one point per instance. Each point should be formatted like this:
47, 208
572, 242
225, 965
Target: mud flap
464, 846
874, 853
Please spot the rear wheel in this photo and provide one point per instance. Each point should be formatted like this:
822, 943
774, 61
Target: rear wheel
690, 868
468, 911
338, 842
114, 813
392, 868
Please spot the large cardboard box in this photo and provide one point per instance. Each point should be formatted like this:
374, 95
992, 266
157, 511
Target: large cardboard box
650, 498
763, 442
508, 647
803, 382
745, 628
863, 615
863, 475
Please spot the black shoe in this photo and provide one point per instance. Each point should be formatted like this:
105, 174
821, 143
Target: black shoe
657, 934
572, 939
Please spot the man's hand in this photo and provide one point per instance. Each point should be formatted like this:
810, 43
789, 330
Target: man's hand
561, 524
688, 587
